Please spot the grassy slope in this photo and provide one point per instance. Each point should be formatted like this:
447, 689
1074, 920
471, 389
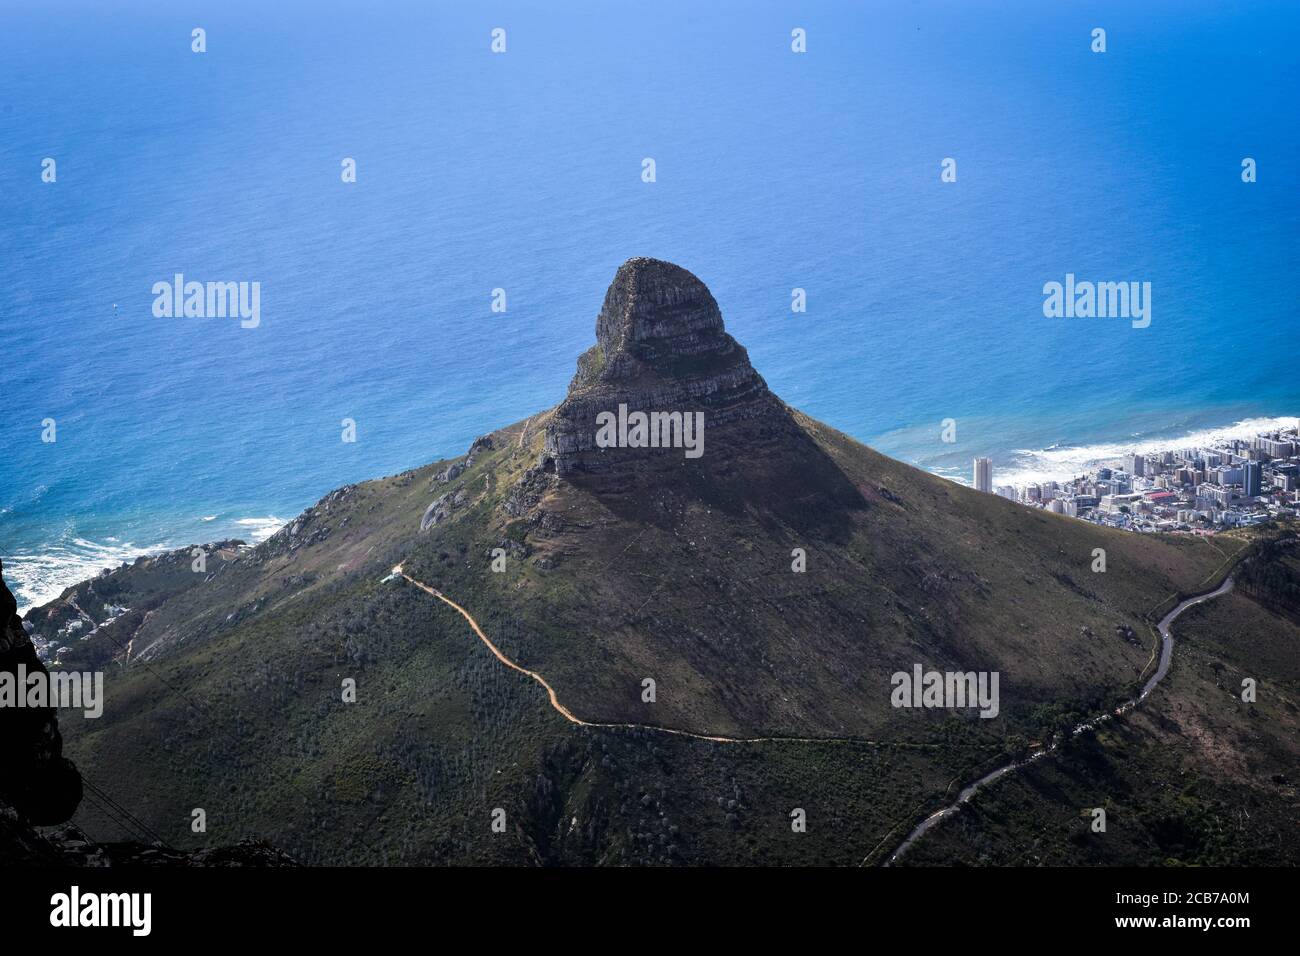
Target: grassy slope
1195, 776
235, 706
705, 602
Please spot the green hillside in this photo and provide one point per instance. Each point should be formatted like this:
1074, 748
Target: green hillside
231, 698
766, 588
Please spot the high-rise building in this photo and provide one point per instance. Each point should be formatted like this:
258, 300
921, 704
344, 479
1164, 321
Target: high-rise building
1251, 473
983, 474
1275, 448
1135, 465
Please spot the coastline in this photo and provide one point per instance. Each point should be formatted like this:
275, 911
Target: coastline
42, 572
40, 575
1062, 462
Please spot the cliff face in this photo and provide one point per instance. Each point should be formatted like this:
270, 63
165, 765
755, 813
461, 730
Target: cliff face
662, 352
661, 348
35, 779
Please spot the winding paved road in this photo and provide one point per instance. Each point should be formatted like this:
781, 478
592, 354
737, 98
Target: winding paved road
1166, 655
1167, 639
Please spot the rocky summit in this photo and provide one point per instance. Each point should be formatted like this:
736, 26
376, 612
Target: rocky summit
661, 348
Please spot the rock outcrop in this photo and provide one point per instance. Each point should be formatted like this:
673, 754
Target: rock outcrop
661, 348
36, 780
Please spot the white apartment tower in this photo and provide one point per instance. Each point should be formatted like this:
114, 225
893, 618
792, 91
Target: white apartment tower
983, 474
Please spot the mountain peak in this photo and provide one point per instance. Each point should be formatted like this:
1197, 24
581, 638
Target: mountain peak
661, 347
655, 301
659, 321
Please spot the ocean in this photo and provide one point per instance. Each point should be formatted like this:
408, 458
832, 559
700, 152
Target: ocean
522, 171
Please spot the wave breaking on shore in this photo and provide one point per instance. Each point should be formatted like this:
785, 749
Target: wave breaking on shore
39, 575
1061, 462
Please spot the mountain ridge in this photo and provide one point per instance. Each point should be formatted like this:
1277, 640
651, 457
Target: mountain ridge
601, 569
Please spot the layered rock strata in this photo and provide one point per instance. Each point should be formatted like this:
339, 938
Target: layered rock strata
661, 347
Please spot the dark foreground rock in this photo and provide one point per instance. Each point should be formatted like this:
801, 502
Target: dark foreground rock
36, 781
21, 844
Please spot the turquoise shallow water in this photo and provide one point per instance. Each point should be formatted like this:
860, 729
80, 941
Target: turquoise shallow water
522, 171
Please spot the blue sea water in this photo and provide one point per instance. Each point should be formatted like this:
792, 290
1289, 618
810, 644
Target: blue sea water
522, 171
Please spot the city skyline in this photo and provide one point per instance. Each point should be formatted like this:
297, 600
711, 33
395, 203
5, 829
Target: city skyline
1233, 483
